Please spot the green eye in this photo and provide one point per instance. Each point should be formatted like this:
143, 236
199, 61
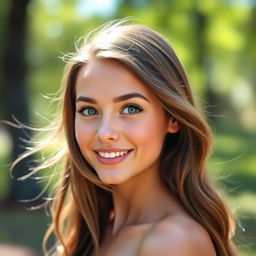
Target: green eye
131, 109
88, 111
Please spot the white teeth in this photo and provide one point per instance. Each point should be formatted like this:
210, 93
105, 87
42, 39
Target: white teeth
112, 154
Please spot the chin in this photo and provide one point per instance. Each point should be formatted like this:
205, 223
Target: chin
111, 179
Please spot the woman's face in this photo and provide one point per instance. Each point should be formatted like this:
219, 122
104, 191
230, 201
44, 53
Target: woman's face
120, 125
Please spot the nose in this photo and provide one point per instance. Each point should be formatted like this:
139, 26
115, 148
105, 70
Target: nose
108, 130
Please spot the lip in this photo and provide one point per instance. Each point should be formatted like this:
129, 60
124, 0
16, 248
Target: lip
111, 161
108, 150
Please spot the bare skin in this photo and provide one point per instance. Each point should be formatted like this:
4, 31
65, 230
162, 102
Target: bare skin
147, 220
152, 223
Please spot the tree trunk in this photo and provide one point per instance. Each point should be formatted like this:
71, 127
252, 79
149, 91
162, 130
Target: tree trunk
203, 60
14, 97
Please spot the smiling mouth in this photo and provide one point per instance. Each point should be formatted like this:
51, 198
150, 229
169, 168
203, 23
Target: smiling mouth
112, 157
112, 154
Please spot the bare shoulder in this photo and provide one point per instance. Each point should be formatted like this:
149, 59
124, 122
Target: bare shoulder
177, 236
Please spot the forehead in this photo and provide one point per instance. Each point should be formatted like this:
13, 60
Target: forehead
108, 78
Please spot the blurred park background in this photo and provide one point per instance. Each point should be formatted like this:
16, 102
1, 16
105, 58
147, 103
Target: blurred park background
216, 42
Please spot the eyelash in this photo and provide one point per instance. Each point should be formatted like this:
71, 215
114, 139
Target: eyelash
85, 108
138, 109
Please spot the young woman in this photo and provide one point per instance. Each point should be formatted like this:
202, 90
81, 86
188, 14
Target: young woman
134, 180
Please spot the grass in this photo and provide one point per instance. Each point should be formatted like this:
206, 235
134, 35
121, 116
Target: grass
234, 163
20, 227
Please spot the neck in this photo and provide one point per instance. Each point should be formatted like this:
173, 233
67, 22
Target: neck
142, 199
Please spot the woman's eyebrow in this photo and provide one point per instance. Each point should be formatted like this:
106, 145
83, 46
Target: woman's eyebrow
129, 96
86, 99
117, 99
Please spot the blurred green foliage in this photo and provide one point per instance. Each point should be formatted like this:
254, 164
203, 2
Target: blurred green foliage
215, 41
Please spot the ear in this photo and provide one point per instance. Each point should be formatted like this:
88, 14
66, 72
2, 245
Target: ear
173, 125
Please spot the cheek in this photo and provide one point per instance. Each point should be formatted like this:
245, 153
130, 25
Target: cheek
148, 132
83, 133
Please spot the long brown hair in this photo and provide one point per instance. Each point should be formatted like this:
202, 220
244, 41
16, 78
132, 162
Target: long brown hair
82, 203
